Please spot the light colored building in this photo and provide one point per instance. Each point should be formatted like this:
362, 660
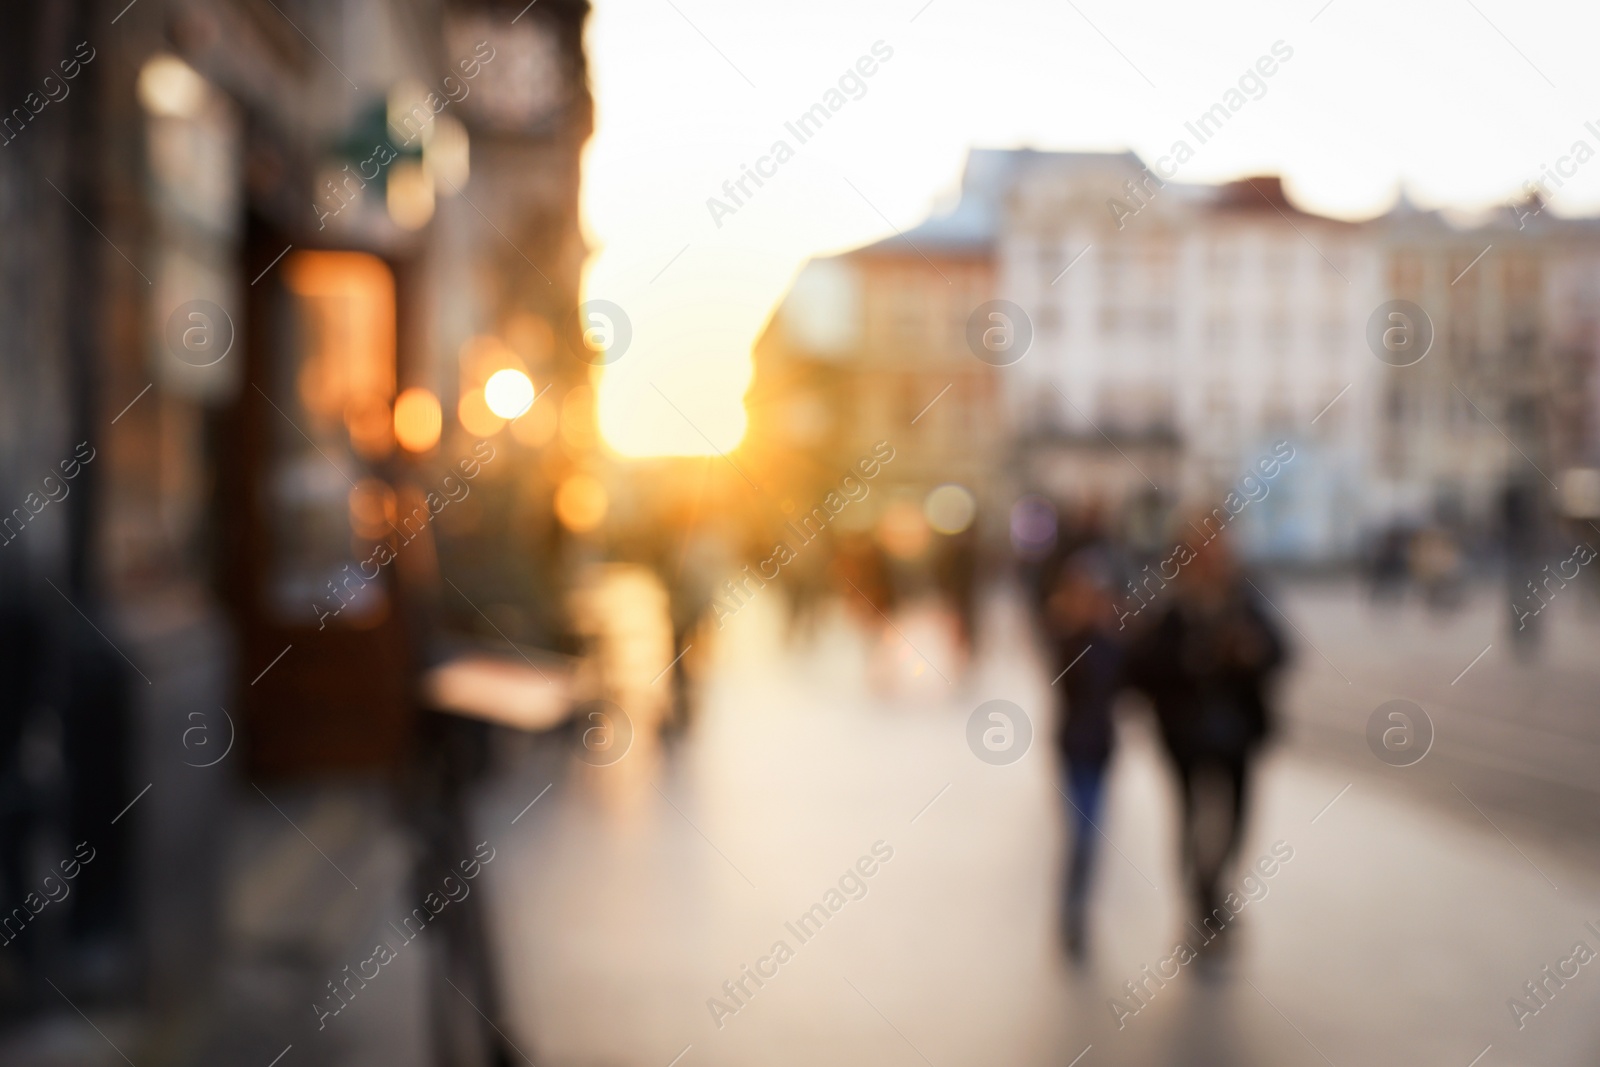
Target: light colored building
1508, 393
1180, 331
870, 346
1220, 317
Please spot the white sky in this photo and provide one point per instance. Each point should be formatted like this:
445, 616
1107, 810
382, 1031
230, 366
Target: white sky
1431, 93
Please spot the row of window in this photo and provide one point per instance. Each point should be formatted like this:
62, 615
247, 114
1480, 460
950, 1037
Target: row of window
1155, 264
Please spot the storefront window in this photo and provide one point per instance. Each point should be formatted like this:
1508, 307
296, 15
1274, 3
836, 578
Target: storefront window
335, 384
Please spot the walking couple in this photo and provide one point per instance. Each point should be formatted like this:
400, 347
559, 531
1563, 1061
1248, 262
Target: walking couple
1203, 657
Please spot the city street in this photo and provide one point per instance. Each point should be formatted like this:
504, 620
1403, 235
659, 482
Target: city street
587, 534
1404, 921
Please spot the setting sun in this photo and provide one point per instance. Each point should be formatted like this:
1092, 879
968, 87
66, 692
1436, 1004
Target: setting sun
685, 415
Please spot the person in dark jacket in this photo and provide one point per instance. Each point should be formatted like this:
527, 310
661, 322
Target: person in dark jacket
1086, 670
1205, 663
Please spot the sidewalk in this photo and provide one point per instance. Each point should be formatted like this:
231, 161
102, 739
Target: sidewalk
292, 917
630, 894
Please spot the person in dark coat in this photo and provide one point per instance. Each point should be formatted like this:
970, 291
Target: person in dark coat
1206, 663
1087, 667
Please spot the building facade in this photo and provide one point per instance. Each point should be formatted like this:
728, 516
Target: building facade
1179, 332
261, 260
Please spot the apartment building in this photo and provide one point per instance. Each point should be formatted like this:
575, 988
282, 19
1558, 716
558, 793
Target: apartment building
1179, 331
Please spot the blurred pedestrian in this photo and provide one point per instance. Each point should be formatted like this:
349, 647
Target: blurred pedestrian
690, 581
1521, 535
860, 568
955, 569
1387, 568
1205, 663
1087, 658
1436, 567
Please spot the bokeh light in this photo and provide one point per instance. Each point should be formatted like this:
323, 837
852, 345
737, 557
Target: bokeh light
950, 508
475, 414
410, 195
447, 155
903, 531
508, 393
581, 503
537, 425
417, 419
1033, 527
170, 87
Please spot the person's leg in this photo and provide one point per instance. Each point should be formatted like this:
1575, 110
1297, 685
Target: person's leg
1226, 805
1085, 782
1192, 836
1238, 786
1210, 815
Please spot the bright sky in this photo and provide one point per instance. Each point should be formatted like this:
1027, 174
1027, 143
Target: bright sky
1461, 100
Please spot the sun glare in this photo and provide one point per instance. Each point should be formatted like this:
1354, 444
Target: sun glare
640, 419
508, 393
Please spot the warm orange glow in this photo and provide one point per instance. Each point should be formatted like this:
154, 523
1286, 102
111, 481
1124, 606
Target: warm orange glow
903, 531
581, 503
531, 337
481, 356
577, 418
474, 413
417, 419
410, 195
347, 310
708, 418
536, 426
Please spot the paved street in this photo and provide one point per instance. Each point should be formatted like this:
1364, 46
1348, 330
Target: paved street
1417, 899
1521, 736
1416, 902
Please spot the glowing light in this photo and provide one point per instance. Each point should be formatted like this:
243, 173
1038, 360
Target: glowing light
577, 419
447, 154
531, 337
410, 195
508, 393
536, 427
344, 302
1033, 527
581, 503
903, 531
710, 418
481, 356
408, 111
417, 419
474, 413
170, 87
950, 508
